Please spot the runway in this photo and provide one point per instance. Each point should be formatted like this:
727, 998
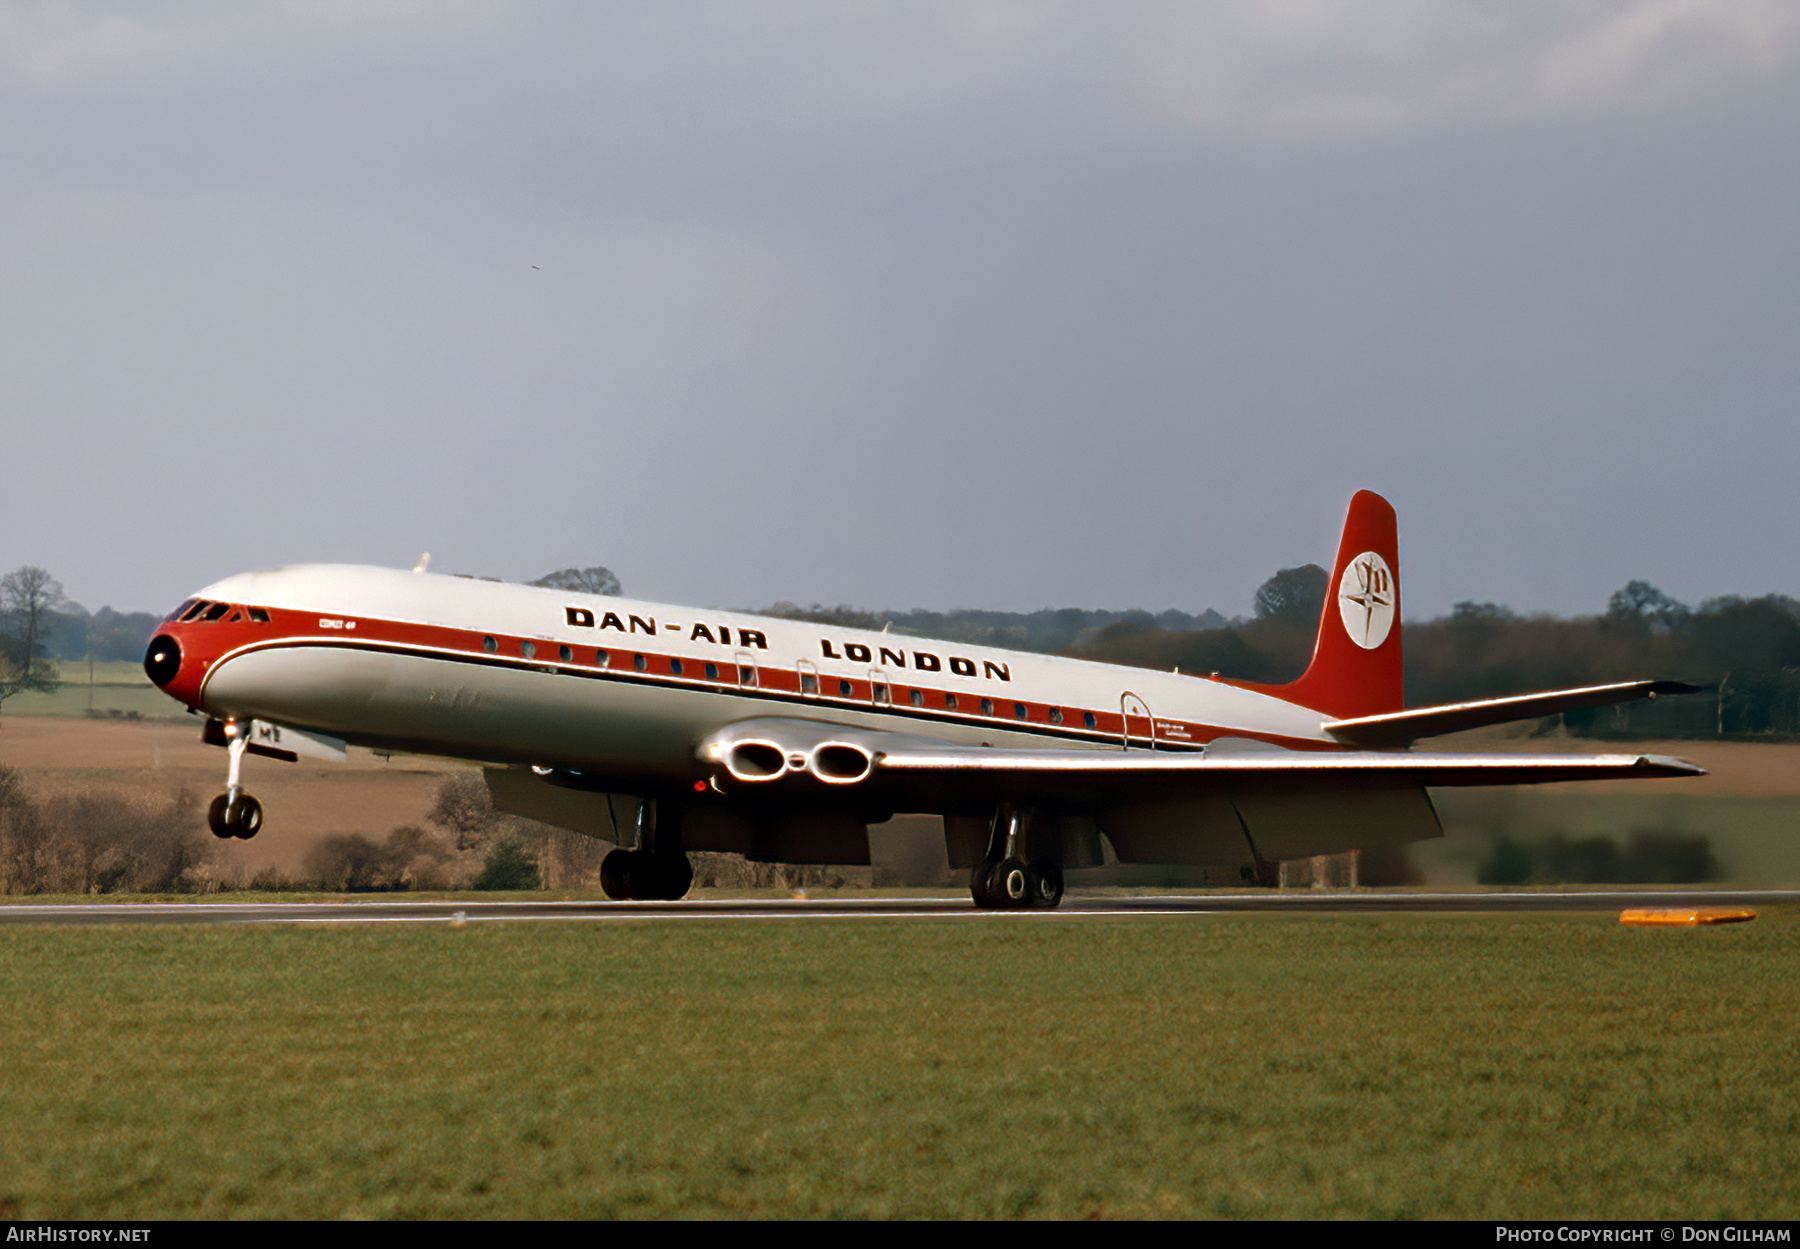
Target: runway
1074, 908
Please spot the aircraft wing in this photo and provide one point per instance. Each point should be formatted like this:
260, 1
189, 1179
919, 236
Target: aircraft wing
1402, 728
765, 753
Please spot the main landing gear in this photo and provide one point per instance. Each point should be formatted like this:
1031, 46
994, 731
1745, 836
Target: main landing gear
641, 876
657, 869
1007, 879
235, 813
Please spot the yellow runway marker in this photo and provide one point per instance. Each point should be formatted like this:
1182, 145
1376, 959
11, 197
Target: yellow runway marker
1713, 915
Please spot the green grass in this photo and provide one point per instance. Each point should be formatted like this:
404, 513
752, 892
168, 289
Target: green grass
1540, 1066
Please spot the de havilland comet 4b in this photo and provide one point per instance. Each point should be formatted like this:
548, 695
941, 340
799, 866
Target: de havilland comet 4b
673, 729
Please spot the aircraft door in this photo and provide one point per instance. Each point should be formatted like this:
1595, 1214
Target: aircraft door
746, 669
880, 693
1138, 724
809, 678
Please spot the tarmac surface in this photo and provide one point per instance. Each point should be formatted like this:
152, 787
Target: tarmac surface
954, 906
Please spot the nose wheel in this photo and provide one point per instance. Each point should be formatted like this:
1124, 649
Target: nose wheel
235, 813
229, 817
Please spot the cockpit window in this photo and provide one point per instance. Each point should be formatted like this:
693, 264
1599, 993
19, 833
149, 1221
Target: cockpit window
259, 614
197, 606
176, 614
216, 612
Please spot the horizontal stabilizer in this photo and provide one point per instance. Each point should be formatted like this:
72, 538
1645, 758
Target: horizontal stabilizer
1402, 728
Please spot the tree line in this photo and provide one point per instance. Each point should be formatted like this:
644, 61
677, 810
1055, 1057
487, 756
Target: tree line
1745, 650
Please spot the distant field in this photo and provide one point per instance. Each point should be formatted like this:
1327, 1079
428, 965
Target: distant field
1749, 808
154, 759
1755, 839
118, 685
1200, 1066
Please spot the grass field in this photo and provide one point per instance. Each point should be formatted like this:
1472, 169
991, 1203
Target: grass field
1248, 1066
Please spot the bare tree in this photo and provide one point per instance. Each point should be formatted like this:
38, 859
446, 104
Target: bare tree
27, 599
464, 809
594, 580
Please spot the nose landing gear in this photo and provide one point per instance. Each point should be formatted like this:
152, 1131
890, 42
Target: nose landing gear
235, 813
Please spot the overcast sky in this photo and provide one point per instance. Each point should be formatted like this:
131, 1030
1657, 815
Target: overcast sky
904, 305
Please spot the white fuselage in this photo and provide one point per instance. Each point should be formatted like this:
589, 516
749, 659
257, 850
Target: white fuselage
505, 673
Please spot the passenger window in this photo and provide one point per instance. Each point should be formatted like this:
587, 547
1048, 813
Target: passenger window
1087, 718
712, 672
603, 658
950, 702
1056, 715
489, 645
566, 654
640, 663
987, 706
528, 649
675, 667
1019, 711
844, 688
918, 698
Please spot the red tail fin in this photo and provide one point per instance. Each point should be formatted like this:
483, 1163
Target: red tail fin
1355, 669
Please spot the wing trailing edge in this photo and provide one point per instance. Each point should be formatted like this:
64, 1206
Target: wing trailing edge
1350, 766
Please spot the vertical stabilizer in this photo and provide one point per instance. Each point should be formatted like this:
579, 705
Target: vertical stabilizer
1355, 669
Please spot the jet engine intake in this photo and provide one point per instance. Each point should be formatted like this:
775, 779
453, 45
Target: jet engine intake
755, 760
840, 763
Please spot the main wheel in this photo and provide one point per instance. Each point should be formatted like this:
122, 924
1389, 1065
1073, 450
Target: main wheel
1011, 883
1046, 886
673, 876
616, 875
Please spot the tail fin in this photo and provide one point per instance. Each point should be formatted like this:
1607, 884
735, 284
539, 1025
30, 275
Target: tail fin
1355, 669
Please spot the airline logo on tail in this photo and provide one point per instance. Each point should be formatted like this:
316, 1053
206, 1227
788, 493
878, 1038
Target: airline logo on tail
1366, 600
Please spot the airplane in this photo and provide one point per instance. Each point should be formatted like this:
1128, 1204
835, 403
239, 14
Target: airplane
784, 740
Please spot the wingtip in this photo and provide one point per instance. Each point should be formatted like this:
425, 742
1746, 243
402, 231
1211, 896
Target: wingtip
1668, 765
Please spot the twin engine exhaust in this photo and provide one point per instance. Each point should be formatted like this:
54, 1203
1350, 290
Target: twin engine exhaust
755, 760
